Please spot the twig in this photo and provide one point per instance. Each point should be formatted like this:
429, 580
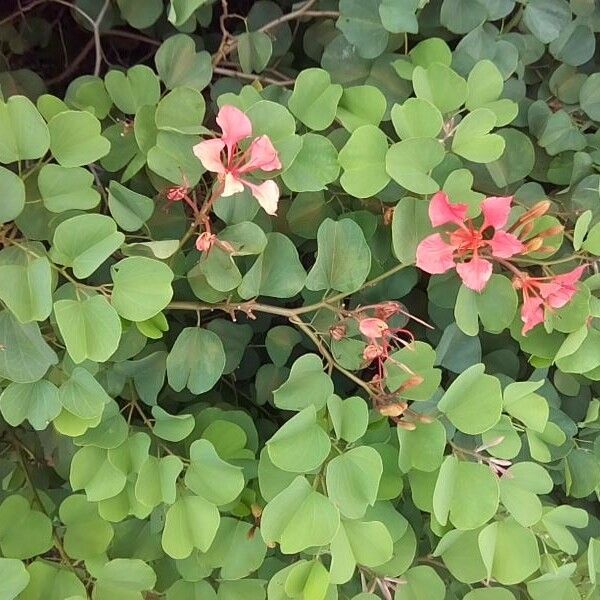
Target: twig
74, 64
252, 77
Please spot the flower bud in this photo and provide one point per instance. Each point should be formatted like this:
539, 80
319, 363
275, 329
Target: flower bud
407, 425
539, 209
393, 410
388, 216
371, 352
256, 511
551, 231
533, 245
338, 332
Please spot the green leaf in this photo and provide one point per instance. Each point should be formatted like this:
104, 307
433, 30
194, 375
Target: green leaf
75, 138
416, 118
178, 63
82, 395
128, 208
298, 518
280, 343
556, 520
191, 522
65, 189
85, 242
37, 402
411, 161
277, 272
88, 93
361, 105
509, 551
92, 471
25, 356
23, 132
254, 50
422, 583
124, 578
589, 96
142, 287
522, 403
131, 90
419, 358
16, 518
367, 543
300, 445
363, 162
492, 593
431, 50
90, 328
12, 190
460, 16
547, 18
27, 290
236, 549
453, 498
473, 402
315, 99
14, 578
519, 490
349, 417
306, 385
211, 477
399, 17
332, 269
172, 428
181, 111
421, 448
361, 24
156, 481
180, 11
353, 480
440, 85
87, 535
484, 85
472, 139
196, 360
410, 224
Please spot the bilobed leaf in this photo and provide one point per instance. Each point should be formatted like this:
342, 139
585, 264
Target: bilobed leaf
422, 583
65, 188
410, 224
90, 327
178, 63
472, 139
129, 209
254, 49
75, 138
142, 287
547, 18
14, 578
421, 448
361, 105
411, 161
473, 402
298, 518
181, 111
92, 471
124, 577
416, 118
196, 360
363, 162
353, 480
131, 90
156, 481
173, 428
361, 24
84, 242
211, 477
332, 269
12, 190
82, 395
37, 402
23, 132
300, 445
27, 290
180, 11
191, 522
349, 417
440, 85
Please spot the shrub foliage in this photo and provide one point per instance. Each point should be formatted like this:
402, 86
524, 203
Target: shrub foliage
299, 300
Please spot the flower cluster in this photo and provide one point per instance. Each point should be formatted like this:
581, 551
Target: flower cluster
472, 251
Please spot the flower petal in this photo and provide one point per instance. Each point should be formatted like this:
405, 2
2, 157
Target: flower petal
475, 273
267, 194
209, 153
234, 124
434, 255
532, 313
372, 328
442, 212
561, 289
263, 155
505, 245
232, 185
495, 211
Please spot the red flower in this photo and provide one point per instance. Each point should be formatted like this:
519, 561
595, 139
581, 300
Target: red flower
463, 248
545, 293
223, 156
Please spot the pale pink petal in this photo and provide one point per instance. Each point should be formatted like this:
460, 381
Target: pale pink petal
505, 245
441, 211
475, 273
434, 255
232, 185
262, 156
532, 313
234, 124
205, 241
495, 211
561, 289
372, 327
267, 194
209, 153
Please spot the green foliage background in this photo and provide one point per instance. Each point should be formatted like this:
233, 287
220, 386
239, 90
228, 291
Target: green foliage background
182, 425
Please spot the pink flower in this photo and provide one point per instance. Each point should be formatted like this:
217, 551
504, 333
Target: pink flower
205, 241
467, 248
545, 293
224, 157
373, 328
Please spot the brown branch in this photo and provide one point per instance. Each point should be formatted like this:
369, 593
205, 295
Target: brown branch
253, 77
74, 64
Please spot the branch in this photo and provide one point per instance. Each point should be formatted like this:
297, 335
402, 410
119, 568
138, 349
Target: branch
252, 77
